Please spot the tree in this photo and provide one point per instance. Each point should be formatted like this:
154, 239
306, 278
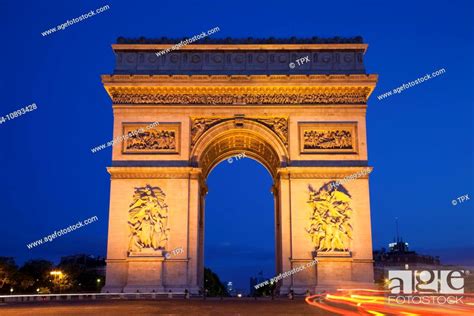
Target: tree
35, 274
61, 282
213, 284
83, 273
8, 269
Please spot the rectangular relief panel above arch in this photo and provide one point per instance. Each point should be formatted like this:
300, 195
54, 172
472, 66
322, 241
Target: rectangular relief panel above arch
151, 138
328, 137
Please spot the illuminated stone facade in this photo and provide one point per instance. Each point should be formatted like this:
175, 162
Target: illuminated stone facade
306, 125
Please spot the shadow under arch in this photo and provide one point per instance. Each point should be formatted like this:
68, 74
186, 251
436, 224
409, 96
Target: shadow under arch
228, 138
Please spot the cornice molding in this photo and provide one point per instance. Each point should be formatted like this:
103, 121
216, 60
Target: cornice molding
320, 172
154, 172
368, 80
242, 47
239, 89
239, 95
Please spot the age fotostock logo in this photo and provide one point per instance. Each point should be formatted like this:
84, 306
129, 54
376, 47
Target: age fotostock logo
426, 286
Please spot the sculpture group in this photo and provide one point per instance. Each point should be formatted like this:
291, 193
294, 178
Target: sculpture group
148, 219
330, 228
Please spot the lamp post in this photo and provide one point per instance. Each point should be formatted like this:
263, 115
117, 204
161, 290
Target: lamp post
57, 278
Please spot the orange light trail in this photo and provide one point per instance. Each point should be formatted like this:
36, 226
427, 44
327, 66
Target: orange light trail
375, 302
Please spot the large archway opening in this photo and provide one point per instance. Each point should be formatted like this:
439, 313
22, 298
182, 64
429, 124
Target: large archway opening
242, 187
239, 241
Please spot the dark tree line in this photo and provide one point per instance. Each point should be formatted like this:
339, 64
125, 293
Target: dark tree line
213, 285
34, 277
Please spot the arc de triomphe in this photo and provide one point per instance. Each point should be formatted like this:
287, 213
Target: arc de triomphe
298, 107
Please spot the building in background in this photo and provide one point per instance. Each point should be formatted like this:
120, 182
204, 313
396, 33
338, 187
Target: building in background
399, 257
87, 262
230, 288
254, 281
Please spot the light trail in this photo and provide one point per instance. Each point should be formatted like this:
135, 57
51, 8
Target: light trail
375, 302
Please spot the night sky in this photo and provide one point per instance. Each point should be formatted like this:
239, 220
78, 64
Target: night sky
420, 141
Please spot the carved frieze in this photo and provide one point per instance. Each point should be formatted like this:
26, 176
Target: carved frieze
328, 137
241, 61
314, 98
161, 139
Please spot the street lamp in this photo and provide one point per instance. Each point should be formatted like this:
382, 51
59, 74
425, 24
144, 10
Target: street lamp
56, 272
11, 291
59, 275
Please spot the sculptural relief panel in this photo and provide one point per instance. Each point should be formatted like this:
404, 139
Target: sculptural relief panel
148, 220
330, 229
163, 138
328, 138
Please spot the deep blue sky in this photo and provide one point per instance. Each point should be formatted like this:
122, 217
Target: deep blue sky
420, 142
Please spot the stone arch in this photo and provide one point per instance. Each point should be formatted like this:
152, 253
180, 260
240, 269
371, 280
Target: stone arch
229, 138
214, 110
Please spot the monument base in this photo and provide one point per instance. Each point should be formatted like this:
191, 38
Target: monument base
145, 272
334, 270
